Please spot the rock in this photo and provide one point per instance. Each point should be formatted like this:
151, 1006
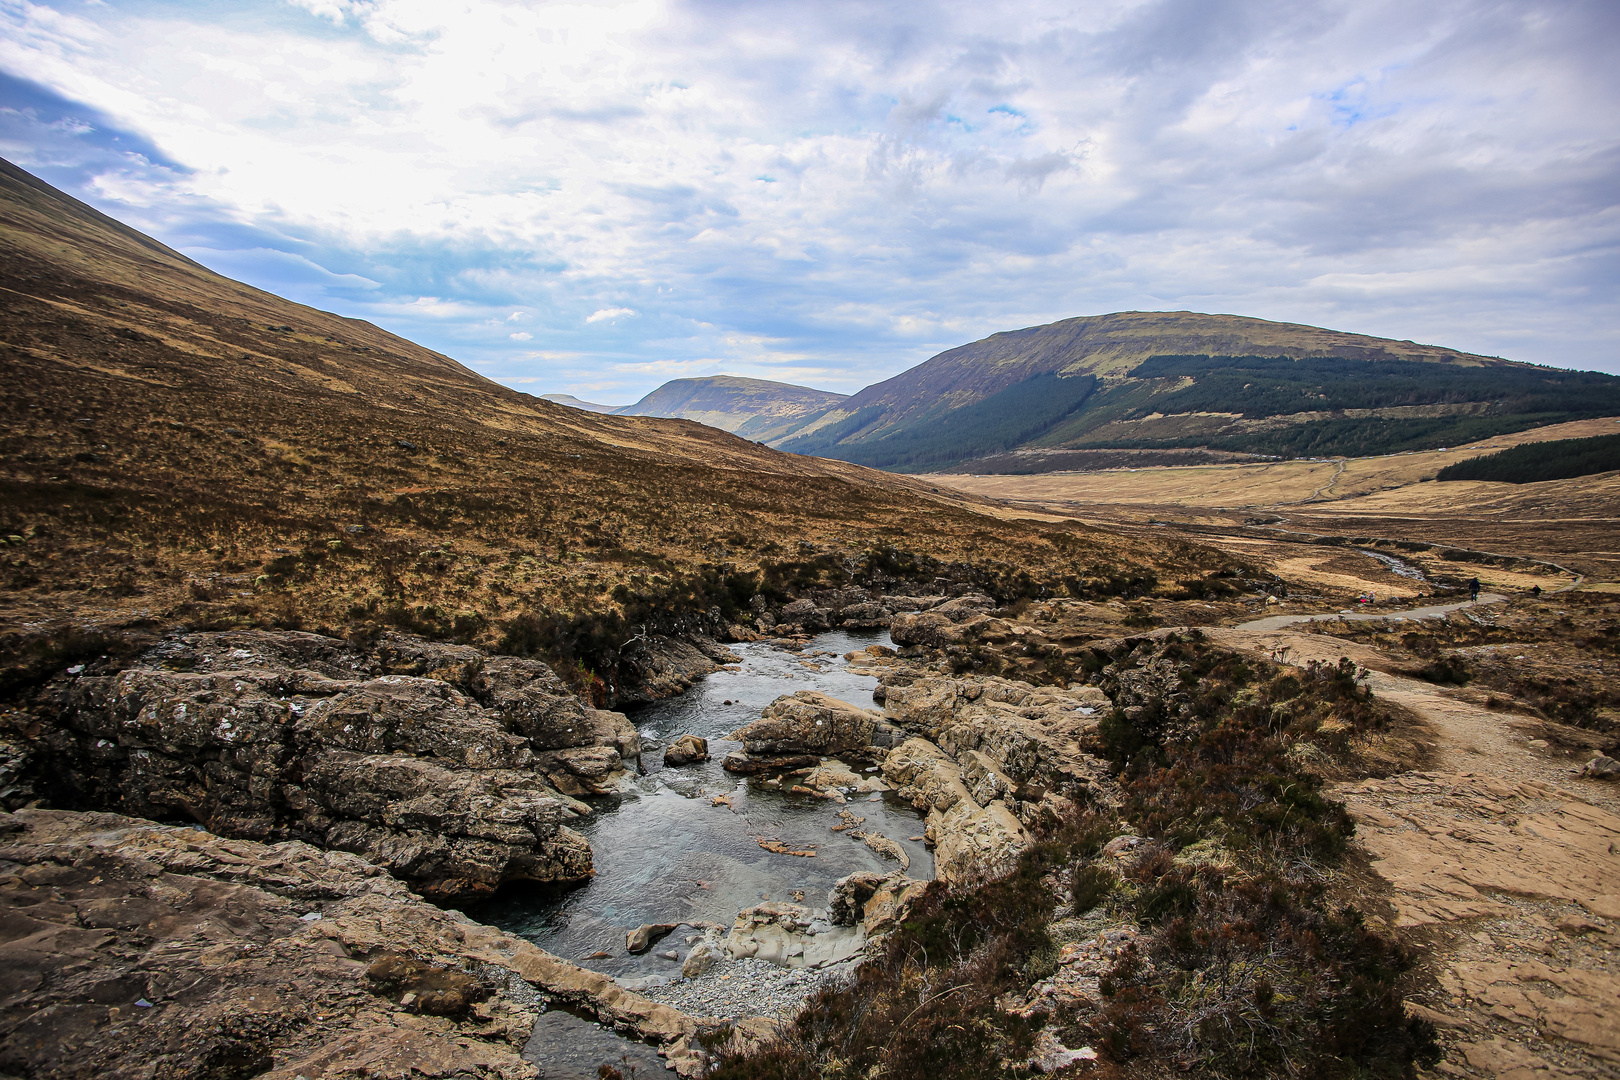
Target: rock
703, 956
789, 935
584, 770
657, 666
912, 603
965, 607
739, 762
924, 628
1601, 768
847, 898
686, 750
1031, 734
890, 903
831, 774
644, 936
805, 614
131, 943
807, 722
1052, 1056
418, 755
970, 838
865, 615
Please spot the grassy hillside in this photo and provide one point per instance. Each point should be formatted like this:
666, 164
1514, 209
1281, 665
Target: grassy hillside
1561, 459
177, 448
1076, 386
753, 408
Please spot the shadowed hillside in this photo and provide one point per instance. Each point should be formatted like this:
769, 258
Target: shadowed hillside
180, 448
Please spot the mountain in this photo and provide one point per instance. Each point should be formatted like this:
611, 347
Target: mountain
575, 403
177, 448
753, 408
1160, 381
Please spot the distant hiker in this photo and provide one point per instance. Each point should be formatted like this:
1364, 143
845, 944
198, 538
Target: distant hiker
1473, 588
1535, 591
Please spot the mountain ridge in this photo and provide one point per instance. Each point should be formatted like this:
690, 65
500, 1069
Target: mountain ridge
1167, 380
757, 409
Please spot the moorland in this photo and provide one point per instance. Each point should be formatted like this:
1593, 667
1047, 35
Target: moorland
315, 641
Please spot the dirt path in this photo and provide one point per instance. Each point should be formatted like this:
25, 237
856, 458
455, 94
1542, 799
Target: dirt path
1277, 622
1504, 863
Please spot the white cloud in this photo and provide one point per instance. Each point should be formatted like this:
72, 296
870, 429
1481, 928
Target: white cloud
521, 336
846, 189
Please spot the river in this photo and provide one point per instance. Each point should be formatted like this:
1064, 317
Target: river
666, 853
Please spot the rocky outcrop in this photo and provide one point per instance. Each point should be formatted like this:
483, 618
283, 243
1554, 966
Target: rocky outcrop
808, 722
1031, 734
989, 759
655, 666
449, 768
876, 902
135, 949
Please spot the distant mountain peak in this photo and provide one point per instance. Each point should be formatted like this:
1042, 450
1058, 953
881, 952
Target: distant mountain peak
756, 409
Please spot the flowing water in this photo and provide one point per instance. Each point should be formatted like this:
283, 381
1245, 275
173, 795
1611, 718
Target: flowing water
1394, 565
665, 853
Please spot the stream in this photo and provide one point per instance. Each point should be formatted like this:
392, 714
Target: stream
666, 853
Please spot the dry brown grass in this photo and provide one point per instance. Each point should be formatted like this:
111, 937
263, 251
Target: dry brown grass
176, 447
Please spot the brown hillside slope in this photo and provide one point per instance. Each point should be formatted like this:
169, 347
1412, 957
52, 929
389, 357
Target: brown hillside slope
1108, 346
177, 447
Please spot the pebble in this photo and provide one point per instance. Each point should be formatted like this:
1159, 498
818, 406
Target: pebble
735, 989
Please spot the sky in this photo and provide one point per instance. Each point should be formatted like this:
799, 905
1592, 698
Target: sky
596, 197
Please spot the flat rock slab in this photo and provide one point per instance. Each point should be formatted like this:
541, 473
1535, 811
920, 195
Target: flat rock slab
130, 945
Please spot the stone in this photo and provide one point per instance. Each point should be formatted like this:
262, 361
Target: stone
965, 607
646, 935
807, 722
1601, 767
1052, 1056
890, 903
132, 943
746, 764
704, 955
685, 750
925, 628
805, 614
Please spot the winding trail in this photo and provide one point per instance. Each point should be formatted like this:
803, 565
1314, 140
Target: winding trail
1507, 863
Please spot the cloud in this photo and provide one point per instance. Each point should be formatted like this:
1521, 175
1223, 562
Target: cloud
936, 171
521, 336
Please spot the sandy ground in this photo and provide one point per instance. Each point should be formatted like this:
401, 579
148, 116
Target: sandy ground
1505, 863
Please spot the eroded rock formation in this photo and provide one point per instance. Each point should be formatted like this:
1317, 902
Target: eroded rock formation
451, 769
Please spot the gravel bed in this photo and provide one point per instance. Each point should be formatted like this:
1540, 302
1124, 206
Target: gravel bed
735, 989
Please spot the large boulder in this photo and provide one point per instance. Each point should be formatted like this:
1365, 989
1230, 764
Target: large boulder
447, 767
808, 722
